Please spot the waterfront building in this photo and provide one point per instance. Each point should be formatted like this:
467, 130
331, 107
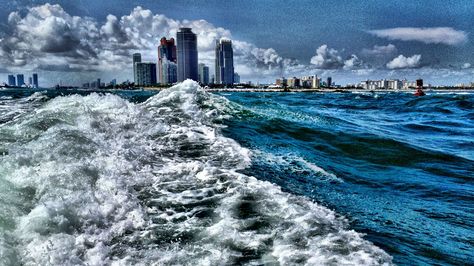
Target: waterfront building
236, 78
224, 62
146, 74
329, 82
137, 58
20, 80
30, 81
294, 82
203, 74
394, 84
187, 55
282, 82
167, 61
35, 80
11, 80
310, 82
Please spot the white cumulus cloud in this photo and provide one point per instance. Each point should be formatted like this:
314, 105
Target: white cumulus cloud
404, 62
327, 58
438, 35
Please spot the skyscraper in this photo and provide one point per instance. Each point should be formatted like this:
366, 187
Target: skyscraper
329, 82
20, 80
167, 61
137, 58
203, 74
11, 80
187, 54
146, 74
224, 62
30, 81
236, 78
35, 80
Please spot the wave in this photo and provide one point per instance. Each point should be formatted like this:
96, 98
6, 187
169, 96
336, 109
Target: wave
96, 179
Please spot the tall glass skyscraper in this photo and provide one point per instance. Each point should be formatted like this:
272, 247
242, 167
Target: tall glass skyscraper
187, 55
137, 58
20, 80
203, 74
167, 61
35, 80
224, 62
11, 80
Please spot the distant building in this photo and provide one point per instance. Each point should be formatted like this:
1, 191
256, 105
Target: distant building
20, 80
294, 82
224, 64
203, 74
11, 80
137, 58
30, 81
35, 80
99, 84
236, 78
167, 68
146, 74
187, 55
329, 82
394, 84
213, 79
283, 82
310, 82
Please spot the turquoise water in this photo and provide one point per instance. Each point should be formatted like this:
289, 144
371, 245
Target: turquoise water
404, 164
188, 177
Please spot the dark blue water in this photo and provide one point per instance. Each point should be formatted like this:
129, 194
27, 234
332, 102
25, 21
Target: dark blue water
404, 164
400, 168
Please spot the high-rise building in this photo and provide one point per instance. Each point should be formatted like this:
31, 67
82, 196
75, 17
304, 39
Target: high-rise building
187, 55
35, 80
167, 61
137, 58
203, 74
146, 74
329, 82
11, 80
236, 78
30, 81
224, 62
20, 80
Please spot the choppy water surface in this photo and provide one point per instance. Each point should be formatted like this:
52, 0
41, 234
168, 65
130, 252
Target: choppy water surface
187, 177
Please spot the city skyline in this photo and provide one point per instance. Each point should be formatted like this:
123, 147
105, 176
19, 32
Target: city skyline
419, 41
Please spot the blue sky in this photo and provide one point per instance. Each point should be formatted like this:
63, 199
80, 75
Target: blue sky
349, 40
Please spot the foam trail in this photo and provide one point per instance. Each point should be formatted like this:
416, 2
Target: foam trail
97, 180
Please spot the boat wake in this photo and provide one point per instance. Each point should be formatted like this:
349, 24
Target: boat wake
96, 179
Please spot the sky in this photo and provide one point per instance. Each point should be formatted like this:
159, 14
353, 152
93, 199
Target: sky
73, 42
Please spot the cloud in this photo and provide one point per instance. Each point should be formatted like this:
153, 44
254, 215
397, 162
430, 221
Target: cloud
46, 37
466, 66
437, 35
327, 58
353, 63
380, 50
404, 62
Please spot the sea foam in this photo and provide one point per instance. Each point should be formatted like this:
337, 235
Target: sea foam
98, 180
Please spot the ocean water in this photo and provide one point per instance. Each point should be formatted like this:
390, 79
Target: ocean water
193, 178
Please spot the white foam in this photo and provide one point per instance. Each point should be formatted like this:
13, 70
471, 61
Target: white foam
109, 182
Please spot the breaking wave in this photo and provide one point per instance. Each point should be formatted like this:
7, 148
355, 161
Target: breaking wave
96, 179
